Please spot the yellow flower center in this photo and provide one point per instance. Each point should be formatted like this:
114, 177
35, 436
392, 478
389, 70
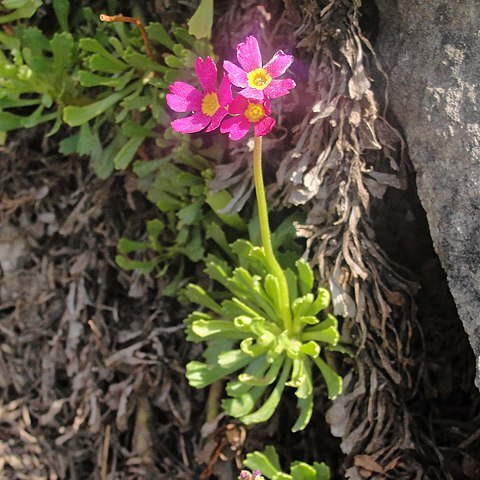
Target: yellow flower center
258, 78
210, 104
254, 112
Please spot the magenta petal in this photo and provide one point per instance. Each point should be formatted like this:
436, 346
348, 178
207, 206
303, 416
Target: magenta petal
264, 126
183, 97
278, 88
216, 119
236, 127
196, 122
235, 74
248, 54
278, 64
253, 93
224, 93
238, 105
207, 74
266, 107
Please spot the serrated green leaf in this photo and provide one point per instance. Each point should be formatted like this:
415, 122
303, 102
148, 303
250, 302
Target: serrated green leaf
202, 330
302, 306
10, 42
292, 284
183, 36
143, 168
272, 288
268, 407
220, 200
174, 62
144, 266
200, 375
243, 404
305, 277
257, 367
100, 63
87, 140
157, 34
125, 245
267, 462
214, 231
76, 116
321, 302
154, 228
21, 9
9, 121
68, 145
333, 380
298, 373
328, 335
307, 320
197, 294
252, 348
302, 471
94, 46
125, 155
311, 349
282, 476
62, 46
248, 289
194, 248
322, 470
89, 79
101, 159
267, 379
200, 25
305, 407
191, 214
62, 9
235, 308
217, 270
142, 62
229, 358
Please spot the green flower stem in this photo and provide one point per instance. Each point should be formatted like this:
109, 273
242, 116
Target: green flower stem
273, 264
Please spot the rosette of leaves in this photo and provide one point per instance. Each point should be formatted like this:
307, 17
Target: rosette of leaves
245, 334
268, 463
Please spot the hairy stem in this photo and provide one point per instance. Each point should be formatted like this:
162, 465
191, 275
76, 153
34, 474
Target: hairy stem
275, 267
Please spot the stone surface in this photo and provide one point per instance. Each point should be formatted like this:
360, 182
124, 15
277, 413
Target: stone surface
431, 52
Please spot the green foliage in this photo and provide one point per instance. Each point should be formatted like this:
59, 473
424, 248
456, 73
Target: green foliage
99, 80
243, 327
268, 463
129, 91
11, 10
189, 221
35, 75
200, 25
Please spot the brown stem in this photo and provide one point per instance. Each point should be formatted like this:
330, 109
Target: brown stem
135, 21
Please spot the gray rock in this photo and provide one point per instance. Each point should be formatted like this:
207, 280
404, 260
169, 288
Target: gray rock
431, 52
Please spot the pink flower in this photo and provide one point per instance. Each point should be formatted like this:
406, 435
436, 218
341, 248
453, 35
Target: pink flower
209, 107
257, 81
247, 112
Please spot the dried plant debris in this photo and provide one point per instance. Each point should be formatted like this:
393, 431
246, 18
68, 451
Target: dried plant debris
90, 379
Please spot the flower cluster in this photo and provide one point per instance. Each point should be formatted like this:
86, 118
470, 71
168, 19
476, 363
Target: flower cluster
258, 83
246, 475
